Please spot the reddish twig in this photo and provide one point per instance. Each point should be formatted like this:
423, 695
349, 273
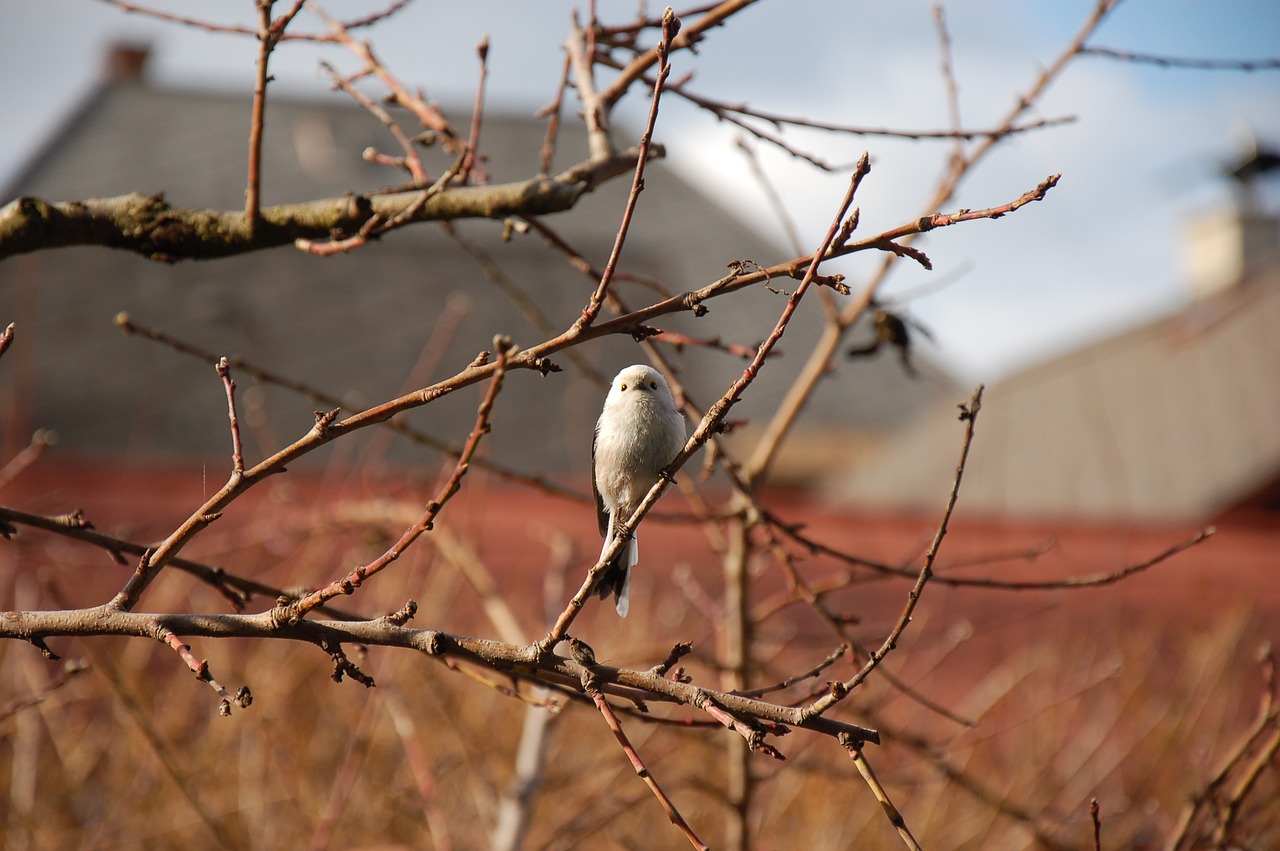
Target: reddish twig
269, 34
471, 158
642, 771
578, 260
242, 698
411, 161
812, 594
552, 113
357, 23
670, 26
375, 226
624, 34
430, 117
690, 33
252, 199
237, 448
527, 304
679, 341
939, 220
6, 338
753, 736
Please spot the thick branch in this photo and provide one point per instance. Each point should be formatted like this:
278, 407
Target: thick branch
148, 225
386, 632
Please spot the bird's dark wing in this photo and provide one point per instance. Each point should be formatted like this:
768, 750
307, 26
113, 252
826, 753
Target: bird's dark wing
602, 516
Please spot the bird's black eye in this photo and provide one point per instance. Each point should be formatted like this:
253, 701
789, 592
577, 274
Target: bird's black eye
653, 385
622, 386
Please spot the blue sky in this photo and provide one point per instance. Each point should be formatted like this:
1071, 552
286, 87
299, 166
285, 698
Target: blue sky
1101, 254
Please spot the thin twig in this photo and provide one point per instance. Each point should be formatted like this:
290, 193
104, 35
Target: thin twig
891, 812
642, 771
296, 610
319, 397
527, 303
689, 35
1089, 581
670, 26
471, 162
833, 657
1268, 64
949, 76
411, 161
236, 589
968, 415
752, 735
430, 117
552, 112
375, 226
269, 34
237, 448
771, 195
242, 698
729, 112
209, 26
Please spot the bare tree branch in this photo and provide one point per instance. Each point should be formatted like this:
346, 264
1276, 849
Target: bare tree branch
512, 659
148, 225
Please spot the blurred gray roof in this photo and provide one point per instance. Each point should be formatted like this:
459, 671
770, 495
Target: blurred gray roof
1173, 421
356, 325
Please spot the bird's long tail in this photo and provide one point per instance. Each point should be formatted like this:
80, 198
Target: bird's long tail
616, 579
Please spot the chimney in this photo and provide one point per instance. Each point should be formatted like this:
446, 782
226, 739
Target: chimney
1227, 248
126, 62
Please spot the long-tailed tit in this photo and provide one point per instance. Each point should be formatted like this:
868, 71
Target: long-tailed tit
640, 431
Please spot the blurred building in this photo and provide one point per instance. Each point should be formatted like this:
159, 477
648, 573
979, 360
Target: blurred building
368, 326
1176, 420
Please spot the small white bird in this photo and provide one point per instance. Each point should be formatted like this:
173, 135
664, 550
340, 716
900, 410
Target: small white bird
640, 431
